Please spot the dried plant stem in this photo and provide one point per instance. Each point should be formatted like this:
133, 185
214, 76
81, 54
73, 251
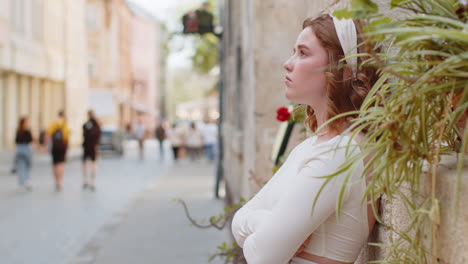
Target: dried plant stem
213, 222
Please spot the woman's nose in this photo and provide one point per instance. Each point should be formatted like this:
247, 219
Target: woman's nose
287, 65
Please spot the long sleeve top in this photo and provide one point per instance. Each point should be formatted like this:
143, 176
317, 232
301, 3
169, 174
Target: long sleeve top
279, 218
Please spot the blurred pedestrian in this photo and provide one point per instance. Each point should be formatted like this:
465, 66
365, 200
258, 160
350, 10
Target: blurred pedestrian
139, 131
210, 135
57, 137
160, 134
128, 131
23, 156
176, 138
42, 137
91, 136
194, 142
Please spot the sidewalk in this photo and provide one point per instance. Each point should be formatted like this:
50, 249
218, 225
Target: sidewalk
6, 157
154, 229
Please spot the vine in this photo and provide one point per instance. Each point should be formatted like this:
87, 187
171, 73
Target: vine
230, 252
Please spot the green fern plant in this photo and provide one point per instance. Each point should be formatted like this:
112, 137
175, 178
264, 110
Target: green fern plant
412, 112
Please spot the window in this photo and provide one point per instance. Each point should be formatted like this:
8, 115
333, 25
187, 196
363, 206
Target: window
92, 16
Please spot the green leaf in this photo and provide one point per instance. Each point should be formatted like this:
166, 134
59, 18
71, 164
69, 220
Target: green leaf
206, 53
397, 3
379, 23
343, 13
363, 8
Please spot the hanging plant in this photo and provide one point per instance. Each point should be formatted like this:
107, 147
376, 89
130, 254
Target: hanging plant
414, 114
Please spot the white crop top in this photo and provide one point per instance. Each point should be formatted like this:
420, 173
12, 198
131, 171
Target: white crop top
279, 218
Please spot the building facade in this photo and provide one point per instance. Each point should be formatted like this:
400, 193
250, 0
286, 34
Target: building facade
123, 61
42, 65
106, 55
146, 52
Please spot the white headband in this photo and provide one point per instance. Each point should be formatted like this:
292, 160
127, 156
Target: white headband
346, 31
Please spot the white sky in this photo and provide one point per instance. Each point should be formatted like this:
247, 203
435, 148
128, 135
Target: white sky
166, 10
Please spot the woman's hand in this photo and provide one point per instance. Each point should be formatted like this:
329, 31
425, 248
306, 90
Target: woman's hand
303, 246
44, 149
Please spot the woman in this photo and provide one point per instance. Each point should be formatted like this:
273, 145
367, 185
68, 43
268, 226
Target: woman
23, 153
278, 225
193, 142
175, 137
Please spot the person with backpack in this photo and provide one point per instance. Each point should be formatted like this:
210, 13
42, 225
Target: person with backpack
160, 134
57, 135
91, 136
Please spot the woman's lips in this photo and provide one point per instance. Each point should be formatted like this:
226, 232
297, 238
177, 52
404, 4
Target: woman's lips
287, 79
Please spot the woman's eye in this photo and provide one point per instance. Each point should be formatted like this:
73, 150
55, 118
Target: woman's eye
302, 53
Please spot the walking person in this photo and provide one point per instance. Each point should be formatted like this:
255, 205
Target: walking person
57, 138
23, 155
176, 139
281, 223
91, 136
160, 134
210, 137
193, 142
139, 131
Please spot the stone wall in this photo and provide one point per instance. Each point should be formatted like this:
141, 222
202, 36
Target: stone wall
452, 239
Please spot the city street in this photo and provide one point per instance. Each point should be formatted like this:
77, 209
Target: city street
131, 217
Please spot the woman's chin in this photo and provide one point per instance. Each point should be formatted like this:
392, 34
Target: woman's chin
288, 94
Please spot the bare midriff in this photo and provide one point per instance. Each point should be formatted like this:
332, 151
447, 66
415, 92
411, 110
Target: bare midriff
318, 259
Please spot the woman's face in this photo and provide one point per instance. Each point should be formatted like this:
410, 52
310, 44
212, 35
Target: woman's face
26, 123
305, 79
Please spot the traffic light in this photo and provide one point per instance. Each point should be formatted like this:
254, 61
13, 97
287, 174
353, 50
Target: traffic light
206, 21
198, 22
190, 22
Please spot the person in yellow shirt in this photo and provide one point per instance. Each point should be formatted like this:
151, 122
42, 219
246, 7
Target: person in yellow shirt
57, 137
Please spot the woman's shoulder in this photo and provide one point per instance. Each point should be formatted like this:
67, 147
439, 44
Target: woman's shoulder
350, 139
331, 151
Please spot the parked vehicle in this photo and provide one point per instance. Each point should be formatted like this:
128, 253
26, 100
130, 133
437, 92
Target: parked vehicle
112, 139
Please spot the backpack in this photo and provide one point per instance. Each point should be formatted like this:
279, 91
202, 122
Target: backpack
57, 138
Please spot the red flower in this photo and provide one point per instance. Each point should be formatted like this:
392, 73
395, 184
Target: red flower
282, 114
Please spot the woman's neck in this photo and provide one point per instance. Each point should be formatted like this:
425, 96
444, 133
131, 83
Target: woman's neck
326, 133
